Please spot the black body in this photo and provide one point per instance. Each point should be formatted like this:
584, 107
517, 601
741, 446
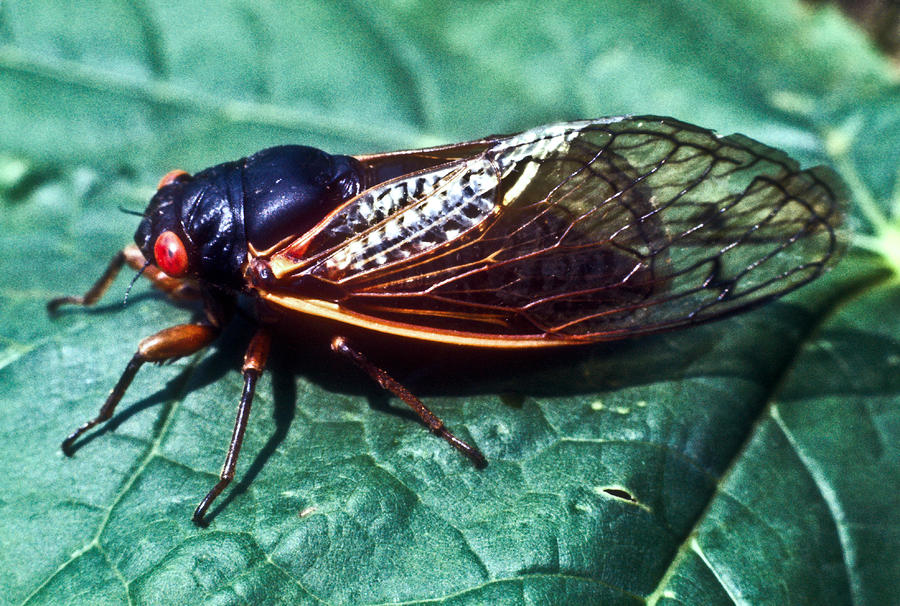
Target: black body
258, 201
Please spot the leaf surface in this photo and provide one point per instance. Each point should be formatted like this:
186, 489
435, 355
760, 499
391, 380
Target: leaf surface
752, 460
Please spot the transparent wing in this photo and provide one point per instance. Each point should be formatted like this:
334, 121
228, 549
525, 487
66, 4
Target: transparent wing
580, 231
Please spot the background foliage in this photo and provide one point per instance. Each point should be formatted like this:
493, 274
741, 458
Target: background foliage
753, 460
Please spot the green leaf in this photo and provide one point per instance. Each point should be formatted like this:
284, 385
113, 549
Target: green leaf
753, 460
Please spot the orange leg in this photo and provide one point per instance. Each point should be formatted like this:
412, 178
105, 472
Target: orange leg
172, 343
168, 344
131, 254
387, 382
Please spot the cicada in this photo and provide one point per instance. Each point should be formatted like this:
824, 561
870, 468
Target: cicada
561, 235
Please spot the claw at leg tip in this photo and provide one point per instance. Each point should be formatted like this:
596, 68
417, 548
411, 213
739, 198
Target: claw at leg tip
338, 343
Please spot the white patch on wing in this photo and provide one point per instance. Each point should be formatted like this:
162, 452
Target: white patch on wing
536, 144
397, 219
521, 183
451, 205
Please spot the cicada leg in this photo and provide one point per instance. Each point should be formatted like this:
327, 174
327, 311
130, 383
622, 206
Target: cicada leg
387, 382
168, 344
254, 363
131, 254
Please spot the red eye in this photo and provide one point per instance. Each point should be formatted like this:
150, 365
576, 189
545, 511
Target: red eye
170, 254
170, 177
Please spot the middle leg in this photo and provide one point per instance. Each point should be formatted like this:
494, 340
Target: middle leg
254, 363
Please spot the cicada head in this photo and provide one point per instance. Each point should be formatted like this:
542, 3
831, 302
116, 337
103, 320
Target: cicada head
203, 226
193, 226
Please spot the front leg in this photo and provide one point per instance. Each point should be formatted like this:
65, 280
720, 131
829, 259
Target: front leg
176, 288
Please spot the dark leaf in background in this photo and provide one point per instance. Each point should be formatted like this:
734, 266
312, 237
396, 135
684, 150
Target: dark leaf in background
879, 18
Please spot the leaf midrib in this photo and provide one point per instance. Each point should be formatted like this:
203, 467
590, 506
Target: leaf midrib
162, 93
770, 400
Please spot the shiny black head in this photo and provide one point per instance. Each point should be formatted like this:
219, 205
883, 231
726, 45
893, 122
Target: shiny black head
202, 225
